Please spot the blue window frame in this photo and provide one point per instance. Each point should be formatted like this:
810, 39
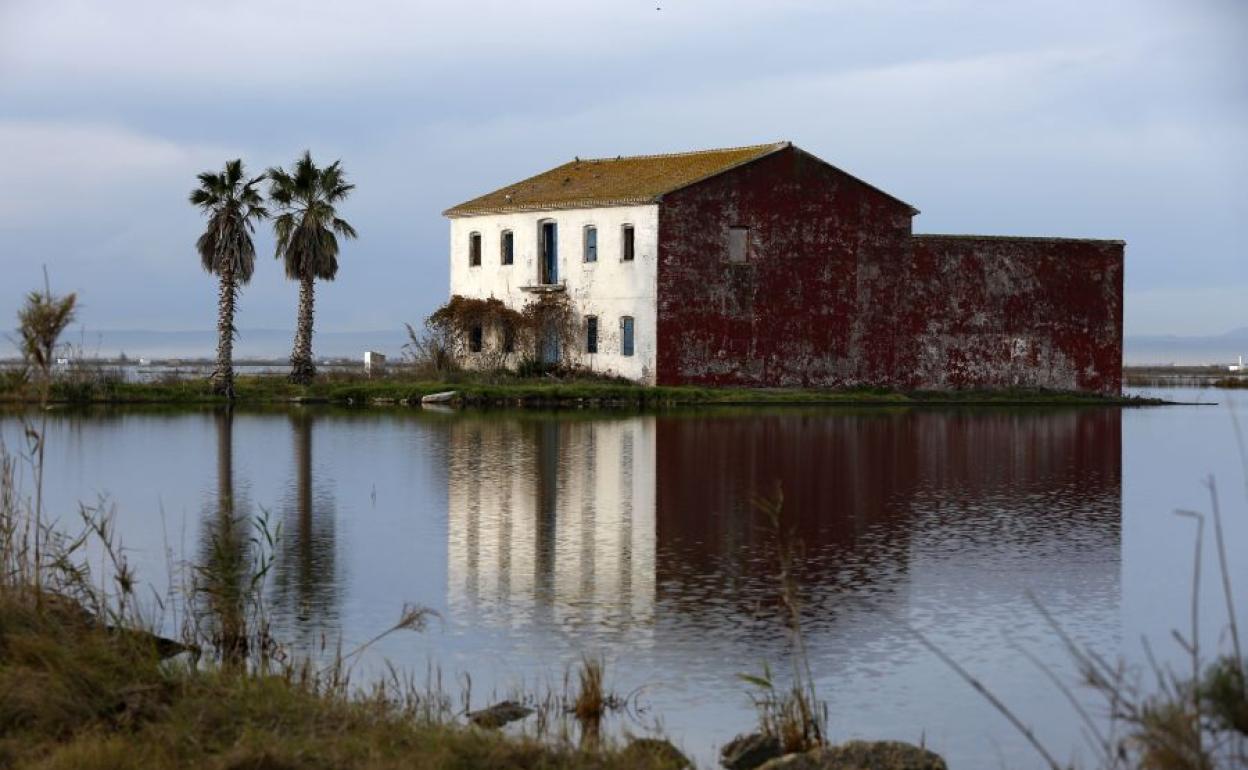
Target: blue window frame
550, 253
507, 248
591, 244
626, 336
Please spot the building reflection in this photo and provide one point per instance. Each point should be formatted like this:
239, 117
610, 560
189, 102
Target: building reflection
552, 520
622, 522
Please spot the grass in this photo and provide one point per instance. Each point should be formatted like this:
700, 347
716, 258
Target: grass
79, 697
477, 389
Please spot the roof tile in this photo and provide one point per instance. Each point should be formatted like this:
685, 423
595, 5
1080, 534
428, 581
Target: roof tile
620, 181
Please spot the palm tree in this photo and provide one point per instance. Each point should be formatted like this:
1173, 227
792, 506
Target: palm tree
225, 249
306, 232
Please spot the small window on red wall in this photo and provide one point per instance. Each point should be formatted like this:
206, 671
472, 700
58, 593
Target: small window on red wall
738, 244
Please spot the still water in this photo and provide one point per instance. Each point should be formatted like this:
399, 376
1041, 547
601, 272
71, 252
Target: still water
540, 538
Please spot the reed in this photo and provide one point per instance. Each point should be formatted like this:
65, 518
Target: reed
792, 713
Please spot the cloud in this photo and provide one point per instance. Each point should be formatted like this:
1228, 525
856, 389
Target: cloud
58, 172
1117, 119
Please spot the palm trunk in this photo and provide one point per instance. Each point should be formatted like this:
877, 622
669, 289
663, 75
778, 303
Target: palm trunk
302, 370
303, 501
227, 556
223, 377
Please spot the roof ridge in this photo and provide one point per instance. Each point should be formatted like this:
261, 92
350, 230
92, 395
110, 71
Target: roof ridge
686, 153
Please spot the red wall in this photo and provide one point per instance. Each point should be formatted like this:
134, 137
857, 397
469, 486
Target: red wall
822, 246
1001, 312
837, 292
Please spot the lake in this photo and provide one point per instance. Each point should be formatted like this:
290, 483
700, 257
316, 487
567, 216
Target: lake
542, 537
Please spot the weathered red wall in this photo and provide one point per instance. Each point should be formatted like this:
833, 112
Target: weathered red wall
836, 291
823, 248
996, 312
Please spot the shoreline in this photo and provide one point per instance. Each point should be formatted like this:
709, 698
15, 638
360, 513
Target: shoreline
397, 391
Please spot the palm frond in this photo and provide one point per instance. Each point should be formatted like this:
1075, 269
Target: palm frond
232, 206
307, 226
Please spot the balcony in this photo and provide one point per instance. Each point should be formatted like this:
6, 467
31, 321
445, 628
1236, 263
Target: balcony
545, 288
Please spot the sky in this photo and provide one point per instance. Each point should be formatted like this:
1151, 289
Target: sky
1117, 119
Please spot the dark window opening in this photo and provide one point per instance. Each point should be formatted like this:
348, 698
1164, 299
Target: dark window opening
626, 336
627, 246
507, 247
591, 334
738, 244
475, 336
474, 250
509, 339
550, 253
591, 244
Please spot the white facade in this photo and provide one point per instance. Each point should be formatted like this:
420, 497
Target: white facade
610, 288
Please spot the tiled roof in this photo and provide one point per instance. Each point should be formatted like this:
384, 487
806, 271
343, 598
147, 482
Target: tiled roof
589, 183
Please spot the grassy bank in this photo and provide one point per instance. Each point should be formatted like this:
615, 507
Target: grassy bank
480, 390
78, 696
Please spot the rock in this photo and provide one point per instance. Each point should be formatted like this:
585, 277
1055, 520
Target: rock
445, 397
746, 752
861, 755
499, 714
163, 646
654, 752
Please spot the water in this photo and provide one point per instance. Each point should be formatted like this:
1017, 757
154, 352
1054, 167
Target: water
540, 538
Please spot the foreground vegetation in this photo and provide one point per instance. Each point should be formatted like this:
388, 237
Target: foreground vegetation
80, 696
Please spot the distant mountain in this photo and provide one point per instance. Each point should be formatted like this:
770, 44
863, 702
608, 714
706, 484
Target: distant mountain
1174, 349
251, 343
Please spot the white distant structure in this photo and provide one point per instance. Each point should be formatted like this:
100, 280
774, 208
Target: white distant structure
1237, 367
374, 363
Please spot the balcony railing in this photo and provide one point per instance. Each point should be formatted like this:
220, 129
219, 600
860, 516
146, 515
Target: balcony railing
545, 288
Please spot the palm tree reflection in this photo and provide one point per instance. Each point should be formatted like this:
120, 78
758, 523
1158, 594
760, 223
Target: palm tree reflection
224, 569
305, 571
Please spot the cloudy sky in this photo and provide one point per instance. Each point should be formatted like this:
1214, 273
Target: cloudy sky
1117, 118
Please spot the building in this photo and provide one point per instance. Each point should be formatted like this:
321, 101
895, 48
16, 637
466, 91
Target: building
766, 266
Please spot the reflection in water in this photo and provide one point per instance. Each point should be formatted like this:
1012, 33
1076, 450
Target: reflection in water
634, 537
305, 590
881, 499
552, 521
223, 571
627, 522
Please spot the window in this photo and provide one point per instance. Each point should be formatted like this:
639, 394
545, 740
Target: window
509, 339
548, 234
474, 249
591, 244
507, 248
738, 244
626, 336
474, 339
626, 246
591, 334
